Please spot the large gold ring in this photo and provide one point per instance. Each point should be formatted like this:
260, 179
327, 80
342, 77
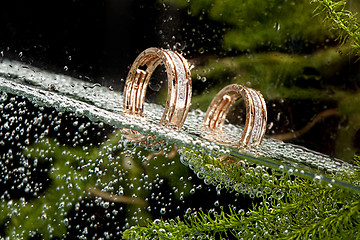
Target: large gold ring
256, 115
179, 85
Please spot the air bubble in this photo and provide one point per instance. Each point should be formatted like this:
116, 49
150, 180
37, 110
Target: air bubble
106, 205
3, 97
317, 179
163, 211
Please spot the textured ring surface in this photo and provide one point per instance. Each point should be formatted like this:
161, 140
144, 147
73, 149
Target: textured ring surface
256, 115
179, 85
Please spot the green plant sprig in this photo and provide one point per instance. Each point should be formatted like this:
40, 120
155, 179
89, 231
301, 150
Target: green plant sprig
302, 210
344, 21
302, 219
316, 214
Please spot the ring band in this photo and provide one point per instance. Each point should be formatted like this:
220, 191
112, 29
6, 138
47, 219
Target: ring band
256, 114
179, 85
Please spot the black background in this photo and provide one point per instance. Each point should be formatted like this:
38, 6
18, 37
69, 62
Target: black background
93, 40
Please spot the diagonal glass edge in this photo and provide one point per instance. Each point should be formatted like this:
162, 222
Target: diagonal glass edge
98, 103
319, 178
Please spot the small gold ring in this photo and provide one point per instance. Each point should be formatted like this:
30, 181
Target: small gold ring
256, 115
179, 85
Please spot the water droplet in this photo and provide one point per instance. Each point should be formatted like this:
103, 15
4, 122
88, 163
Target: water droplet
43, 217
317, 179
163, 211
3, 97
201, 50
277, 26
106, 204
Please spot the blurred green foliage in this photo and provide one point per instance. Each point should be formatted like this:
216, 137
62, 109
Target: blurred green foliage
276, 75
288, 50
254, 24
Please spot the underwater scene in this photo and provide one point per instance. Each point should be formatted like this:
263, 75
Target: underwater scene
180, 119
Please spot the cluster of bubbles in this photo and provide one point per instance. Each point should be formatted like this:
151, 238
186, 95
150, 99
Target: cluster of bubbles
67, 165
102, 104
69, 175
241, 177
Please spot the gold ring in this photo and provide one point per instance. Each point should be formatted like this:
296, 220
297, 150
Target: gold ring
179, 85
256, 115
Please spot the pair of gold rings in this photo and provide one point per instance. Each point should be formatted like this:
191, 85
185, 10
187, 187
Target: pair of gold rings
179, 98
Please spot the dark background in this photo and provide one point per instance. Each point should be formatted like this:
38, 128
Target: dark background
95, 40
98, 40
